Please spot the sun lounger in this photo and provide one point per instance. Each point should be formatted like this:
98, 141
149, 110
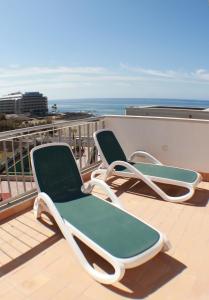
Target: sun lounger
119, 237
115, 162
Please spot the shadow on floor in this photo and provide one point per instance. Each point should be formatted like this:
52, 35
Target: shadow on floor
138, 282
136, 187
144, 280
141, 281
47, 221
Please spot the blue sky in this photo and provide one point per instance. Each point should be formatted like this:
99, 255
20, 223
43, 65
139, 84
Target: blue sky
111, 48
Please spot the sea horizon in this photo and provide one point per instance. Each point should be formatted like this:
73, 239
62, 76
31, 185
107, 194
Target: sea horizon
117, 106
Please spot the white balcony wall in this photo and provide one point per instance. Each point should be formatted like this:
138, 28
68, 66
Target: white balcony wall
179, 142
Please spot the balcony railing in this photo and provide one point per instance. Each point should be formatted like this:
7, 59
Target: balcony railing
16, 180
178, 142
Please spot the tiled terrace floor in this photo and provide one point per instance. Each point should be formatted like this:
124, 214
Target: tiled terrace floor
37, 263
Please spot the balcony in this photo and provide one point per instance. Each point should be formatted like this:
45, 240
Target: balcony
37, 263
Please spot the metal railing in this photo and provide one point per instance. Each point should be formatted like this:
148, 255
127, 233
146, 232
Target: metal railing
16, 179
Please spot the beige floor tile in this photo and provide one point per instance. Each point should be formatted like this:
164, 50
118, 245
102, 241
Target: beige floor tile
4, 287
13, 295
37, 263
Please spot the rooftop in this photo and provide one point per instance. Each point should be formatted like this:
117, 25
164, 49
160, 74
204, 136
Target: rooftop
171, 107
37, 263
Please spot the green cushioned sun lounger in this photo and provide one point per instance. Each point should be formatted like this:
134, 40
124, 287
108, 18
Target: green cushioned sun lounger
115, 162
119, 237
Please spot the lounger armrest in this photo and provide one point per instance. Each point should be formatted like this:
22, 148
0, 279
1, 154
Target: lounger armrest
115, 200
121, 163
145, 155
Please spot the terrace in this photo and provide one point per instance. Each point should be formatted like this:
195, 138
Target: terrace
37, 263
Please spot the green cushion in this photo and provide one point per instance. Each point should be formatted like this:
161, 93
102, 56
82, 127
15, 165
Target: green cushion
57, 172
111, 148
114, 230
165, 172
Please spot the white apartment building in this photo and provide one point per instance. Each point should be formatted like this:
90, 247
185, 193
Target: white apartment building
21, 103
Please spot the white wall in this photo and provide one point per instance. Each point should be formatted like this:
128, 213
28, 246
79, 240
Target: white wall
179, 142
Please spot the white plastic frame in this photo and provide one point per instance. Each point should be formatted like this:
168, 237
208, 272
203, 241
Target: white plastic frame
109, 170
44, 203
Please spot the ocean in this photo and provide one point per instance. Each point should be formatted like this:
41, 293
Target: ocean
116, 106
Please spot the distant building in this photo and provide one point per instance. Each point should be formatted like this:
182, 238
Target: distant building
168, 111
21, 103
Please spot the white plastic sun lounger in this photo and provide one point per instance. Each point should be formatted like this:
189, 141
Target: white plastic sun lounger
119, 237
115, 162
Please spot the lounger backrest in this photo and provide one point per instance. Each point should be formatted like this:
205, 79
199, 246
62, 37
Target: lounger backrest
56, 172
110, 146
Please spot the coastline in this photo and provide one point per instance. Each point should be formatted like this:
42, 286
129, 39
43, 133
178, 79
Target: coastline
116, 106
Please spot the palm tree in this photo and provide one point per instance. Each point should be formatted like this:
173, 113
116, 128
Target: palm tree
54, 108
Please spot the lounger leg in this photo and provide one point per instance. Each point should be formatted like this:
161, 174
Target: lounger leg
167, 244
101, 277
37, 208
